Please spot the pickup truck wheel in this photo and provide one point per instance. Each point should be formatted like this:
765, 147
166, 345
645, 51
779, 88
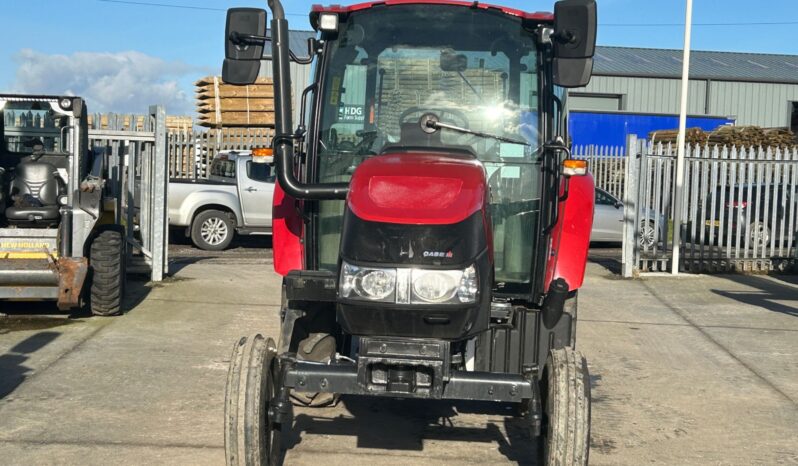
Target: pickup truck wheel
212, 230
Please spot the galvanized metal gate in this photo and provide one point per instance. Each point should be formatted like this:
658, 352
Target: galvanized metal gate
740, 209
138, 171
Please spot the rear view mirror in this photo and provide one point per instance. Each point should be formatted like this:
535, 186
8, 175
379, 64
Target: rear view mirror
451, 61
574, 29
574, 42
245, 34
242, 23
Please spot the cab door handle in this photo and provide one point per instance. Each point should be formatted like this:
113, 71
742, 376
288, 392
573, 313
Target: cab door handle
250, 189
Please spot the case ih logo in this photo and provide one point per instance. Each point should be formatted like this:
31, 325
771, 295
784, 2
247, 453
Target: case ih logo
447, 254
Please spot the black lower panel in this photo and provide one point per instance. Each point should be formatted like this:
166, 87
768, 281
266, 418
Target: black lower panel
445, 324
522, 345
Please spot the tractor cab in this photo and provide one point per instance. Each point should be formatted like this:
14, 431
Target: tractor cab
52, 194
430, 225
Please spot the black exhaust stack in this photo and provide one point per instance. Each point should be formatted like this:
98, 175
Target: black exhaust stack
284, 139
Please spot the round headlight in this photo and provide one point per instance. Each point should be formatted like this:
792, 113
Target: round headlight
435, 286
375, 284
63, 199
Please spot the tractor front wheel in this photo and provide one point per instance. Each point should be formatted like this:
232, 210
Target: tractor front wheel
565, 389
107, 271
250, 436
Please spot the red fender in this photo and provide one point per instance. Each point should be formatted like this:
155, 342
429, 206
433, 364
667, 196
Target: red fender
286, 233
570, 238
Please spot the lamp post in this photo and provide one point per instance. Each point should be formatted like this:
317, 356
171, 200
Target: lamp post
680, 142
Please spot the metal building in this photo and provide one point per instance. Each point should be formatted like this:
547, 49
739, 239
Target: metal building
300, 74
751, 88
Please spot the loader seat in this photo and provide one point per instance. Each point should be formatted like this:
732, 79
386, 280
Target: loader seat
34, 194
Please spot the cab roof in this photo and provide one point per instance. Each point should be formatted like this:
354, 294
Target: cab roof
536, 16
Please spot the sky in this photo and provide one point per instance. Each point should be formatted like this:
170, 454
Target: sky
124, 55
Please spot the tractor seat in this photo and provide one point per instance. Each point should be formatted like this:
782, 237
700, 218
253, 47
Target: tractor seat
34, 194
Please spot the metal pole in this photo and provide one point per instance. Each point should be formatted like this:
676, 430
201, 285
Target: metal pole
677, 221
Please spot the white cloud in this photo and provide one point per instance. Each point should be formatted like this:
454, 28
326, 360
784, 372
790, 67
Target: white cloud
121, 82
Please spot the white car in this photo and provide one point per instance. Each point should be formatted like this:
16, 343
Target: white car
608, 222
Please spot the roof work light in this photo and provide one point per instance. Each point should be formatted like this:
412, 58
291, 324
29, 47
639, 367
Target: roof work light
328, 22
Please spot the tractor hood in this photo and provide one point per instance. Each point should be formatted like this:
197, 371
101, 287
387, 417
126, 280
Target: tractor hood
418, 189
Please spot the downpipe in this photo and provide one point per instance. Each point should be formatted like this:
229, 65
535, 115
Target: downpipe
284, 138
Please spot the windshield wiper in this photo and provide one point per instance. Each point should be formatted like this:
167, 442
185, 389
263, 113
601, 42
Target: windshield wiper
468, 83
435, 124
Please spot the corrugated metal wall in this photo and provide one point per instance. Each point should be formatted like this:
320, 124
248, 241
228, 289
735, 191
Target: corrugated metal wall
300, 78
761, 104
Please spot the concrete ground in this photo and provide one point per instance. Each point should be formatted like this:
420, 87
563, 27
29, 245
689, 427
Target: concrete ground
694, 370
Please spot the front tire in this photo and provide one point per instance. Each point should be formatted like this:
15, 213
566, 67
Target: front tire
212, 230
250, 436
107, 271
565, 388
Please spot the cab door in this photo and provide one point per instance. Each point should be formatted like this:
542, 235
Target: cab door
256, 189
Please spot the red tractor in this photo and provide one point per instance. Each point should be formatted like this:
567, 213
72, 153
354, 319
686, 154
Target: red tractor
430, 225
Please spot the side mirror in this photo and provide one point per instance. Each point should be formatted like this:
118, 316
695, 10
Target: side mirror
245, 35
618, 204
574, 42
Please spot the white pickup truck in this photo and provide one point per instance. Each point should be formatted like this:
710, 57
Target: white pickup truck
236, 198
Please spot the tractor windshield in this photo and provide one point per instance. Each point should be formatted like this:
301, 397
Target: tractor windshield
475, 70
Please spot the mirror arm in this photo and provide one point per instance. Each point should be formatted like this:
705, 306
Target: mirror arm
564, 37
301, 61
247, 39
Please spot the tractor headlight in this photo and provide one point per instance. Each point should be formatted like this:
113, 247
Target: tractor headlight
435, 286
367, 283
409, 286
63, 199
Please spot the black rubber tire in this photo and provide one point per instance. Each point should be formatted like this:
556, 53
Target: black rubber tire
196, 230
565, 389
107, 271
250, 438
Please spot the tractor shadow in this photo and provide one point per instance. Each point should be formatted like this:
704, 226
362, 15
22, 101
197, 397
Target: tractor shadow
405, 424
13, 370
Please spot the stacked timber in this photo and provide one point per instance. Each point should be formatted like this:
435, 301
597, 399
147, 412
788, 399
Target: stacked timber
693, 136
227, 105
739, 136
136, 122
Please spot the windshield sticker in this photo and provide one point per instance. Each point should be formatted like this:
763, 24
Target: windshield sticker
335, 89
352, 113
511, 172
510, 150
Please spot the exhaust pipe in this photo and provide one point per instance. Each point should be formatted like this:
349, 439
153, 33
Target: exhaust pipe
283, 140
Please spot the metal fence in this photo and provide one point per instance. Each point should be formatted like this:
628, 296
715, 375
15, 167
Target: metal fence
191, 152
137, 166
740, 209
607, 164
